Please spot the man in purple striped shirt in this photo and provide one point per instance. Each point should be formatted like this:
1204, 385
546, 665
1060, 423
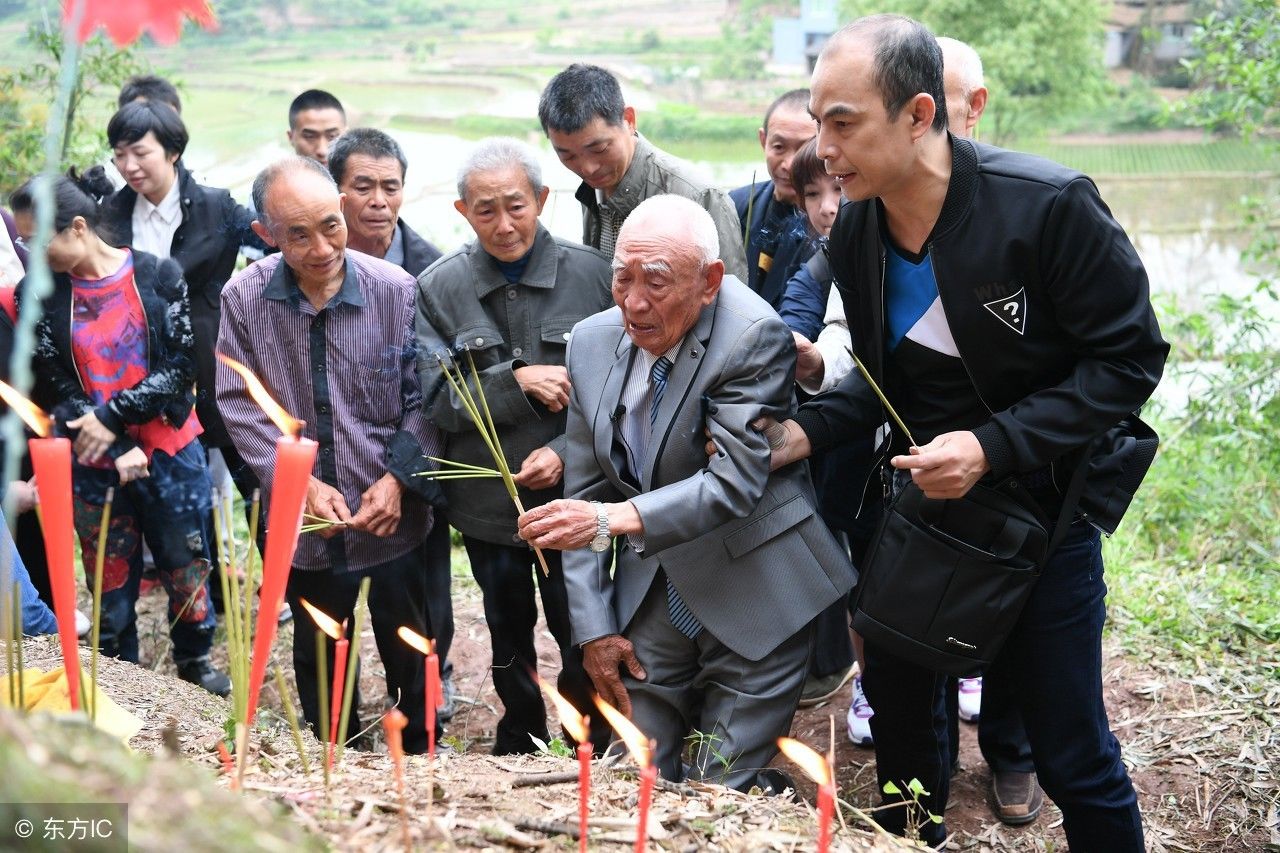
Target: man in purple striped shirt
331, 332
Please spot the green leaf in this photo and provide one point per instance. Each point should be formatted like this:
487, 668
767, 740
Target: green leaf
892, 789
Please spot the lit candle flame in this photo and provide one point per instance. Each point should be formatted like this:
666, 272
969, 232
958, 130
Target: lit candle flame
637, 743
324, 621
287, 423
32, 415
813, 764
570, 717
414, 640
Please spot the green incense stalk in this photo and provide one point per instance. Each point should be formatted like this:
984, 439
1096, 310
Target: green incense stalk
15, 675
292, 716
883, 399
353, 658
100, 560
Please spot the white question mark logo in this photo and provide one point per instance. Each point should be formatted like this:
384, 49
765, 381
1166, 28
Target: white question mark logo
1012, 308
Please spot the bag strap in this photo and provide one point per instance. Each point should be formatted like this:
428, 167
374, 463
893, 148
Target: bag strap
1070, 499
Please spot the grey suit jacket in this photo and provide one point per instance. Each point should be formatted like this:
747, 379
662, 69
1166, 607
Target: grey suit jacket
744, 547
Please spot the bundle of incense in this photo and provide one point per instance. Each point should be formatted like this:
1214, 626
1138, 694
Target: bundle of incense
315, 523
237, 597
483, 420
450, 470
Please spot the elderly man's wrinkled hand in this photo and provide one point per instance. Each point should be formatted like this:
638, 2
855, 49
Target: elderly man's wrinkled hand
603, 660
379, 512
324, 501
563, 524
541, 469
546, 383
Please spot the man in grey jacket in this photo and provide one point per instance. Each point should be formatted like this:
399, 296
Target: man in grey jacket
593, 132
721, 565
510, 297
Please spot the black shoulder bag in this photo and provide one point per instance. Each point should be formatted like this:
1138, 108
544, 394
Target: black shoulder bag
944, 581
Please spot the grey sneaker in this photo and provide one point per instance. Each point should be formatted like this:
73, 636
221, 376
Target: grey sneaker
202, 673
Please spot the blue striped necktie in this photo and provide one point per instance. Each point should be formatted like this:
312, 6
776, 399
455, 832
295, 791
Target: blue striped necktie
681, 617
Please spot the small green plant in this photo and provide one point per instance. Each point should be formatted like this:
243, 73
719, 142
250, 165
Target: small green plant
915, 790
556, 747
703, 753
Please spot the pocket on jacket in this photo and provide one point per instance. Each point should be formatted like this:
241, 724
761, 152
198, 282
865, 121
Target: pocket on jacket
556, 330
477, 337
376, 398
772, 524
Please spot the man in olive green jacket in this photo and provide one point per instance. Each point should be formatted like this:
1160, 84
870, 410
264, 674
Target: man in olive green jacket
593, 132
511, 298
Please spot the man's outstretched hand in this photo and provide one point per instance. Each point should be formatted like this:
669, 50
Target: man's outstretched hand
603, 659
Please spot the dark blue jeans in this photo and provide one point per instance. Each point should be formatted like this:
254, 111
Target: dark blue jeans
170, 509
1052, 662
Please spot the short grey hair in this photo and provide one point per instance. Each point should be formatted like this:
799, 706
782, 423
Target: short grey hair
967, 62
286, 165
693, 220
500, 152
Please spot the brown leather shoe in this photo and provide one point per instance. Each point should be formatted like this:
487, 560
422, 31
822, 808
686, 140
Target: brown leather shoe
1017, 798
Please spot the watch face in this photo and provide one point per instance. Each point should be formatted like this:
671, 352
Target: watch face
600, 542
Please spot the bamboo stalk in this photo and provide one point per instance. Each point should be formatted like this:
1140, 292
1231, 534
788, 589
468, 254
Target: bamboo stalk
95, 636
457, 475
462, 465
16, 674
866, 374
353, 658
292, 716
500, 457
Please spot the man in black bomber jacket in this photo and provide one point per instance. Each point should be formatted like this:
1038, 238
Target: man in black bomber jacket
1008, 318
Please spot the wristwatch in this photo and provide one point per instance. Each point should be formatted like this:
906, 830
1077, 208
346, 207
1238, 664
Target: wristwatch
602, 540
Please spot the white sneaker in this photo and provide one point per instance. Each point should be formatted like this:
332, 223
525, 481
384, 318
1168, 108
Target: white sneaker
970, 699
82, 624
860, 714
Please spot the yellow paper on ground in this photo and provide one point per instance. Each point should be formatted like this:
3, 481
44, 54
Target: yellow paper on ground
48, 691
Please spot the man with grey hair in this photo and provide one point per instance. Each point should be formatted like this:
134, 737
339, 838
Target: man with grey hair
510, 297
705, 626
963, 86
331, 332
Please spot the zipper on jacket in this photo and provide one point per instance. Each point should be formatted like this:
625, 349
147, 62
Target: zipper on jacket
933, 266
879, 460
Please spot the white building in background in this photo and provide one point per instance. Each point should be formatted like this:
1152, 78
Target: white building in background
797, 41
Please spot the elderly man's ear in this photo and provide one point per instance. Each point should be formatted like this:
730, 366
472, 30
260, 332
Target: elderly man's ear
714, 276
263, 233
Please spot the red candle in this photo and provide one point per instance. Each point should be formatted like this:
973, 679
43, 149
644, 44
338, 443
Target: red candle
584, 792
648, 775
51, 460
339, 677
817, 768
295, 460
435, 698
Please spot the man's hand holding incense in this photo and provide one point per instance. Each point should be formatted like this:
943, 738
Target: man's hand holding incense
946, 467
379, 512
324, 501
603, 659
541, 469
546, 383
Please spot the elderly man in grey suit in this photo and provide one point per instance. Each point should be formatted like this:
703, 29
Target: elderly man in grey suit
721, 566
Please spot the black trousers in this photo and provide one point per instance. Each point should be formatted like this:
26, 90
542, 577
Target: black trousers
438, 575
506, 576
396, 597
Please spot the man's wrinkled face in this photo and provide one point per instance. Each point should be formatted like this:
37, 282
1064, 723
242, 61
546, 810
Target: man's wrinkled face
374, 190
661, 285
599, 152
306, 224
789, 129
314, 132
869, 153
502, 208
